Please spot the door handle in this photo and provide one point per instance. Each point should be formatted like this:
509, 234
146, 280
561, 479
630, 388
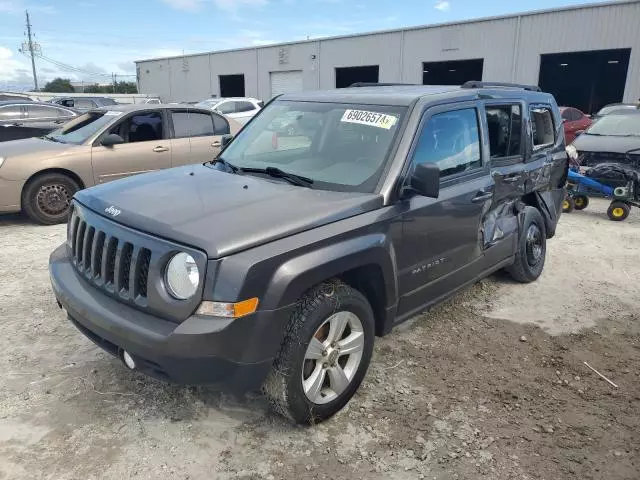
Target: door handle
512, 178
482, 196
216, 144
160, 149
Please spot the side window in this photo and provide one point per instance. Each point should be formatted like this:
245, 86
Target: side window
244, 106
220, 124
542, 130
64, 113
504, 123
41, 111
67, 102
566, 114
575, 114
226, 107
143, 127
85, 104
10, 112
192, 124
451, 141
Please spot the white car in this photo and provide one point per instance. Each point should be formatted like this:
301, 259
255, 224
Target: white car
241, 109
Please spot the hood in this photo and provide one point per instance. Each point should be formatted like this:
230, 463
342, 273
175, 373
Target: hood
220, 213
595, 143
25, 146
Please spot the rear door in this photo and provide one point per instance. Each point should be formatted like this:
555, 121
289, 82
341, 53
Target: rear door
441, 246
201, 130
146, 147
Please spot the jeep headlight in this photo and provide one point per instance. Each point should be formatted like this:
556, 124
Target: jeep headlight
182, 276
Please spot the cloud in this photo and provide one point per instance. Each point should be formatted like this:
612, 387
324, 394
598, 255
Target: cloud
11, 69
227, 5
442, 5
19, 6
128, 67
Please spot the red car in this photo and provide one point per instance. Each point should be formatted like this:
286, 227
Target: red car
574, 120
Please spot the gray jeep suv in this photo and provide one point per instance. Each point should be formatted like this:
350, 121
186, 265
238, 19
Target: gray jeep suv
278, 263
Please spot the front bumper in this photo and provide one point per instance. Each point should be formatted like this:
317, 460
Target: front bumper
236, 354
10, 191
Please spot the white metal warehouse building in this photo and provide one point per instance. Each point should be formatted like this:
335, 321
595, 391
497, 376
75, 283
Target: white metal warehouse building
587, 56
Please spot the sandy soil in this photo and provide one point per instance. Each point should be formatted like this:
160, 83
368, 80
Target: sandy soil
489, 385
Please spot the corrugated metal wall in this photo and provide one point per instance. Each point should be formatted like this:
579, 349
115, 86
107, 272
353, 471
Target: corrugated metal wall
511, 49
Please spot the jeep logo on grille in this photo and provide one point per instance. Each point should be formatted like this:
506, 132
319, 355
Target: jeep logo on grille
113, 211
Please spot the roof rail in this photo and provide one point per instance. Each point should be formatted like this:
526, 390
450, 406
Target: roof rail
376, 84
477, 84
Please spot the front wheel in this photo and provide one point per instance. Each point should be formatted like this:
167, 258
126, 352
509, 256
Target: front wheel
46, 198
532, 248
618, 211
325, 354
568, 204
581, 202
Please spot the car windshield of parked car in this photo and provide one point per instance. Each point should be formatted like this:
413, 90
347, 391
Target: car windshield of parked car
617, 125
337, 146
207, 104
80, 129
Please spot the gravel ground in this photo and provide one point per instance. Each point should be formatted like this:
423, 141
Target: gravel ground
490, 384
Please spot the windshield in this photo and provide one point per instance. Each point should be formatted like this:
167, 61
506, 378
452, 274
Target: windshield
617, 125
337, 146
207, 103
80, 129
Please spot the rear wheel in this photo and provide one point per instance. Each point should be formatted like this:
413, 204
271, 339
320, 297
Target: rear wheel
532, 248
325, 354
580, 202
46, 198
618, 211
568, 204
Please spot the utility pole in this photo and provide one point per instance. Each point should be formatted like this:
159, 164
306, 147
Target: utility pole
31, 53
114, 77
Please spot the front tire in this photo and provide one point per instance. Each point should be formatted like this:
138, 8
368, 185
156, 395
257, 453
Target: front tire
325, 354
580, 202
618, 211
532, 248
568, 204
46, 198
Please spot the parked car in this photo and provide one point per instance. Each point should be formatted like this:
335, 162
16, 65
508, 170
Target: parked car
277, 267
573, 121
40, 175
615, 138
241, 109
84, 103
148, 101
20, 119
612, 108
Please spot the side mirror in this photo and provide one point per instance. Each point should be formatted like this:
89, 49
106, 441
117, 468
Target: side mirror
226, 140
111, 140
425, 180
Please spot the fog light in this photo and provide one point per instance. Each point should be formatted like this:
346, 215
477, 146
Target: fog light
229, 310
128, 360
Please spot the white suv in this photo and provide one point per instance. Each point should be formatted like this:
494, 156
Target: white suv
241, 109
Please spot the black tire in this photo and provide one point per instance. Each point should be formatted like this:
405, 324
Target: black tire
529, 260
580, 202
284, 384
46, 198
568, 204
618, 211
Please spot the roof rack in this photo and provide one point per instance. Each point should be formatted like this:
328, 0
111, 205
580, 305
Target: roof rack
477, 84
375, 84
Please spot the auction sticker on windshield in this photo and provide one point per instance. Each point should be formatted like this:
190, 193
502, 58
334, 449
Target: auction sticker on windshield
372, 119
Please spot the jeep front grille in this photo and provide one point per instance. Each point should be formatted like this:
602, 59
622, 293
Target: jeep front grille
117, 267
126, 264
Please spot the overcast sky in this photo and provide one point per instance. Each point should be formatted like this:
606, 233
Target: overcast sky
101, 37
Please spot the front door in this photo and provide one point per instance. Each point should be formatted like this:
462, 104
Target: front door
146, 148
441, 246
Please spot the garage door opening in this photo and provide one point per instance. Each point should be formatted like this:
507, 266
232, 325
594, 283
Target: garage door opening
346, 76
286, 82
585, 80
231, 85
454, 72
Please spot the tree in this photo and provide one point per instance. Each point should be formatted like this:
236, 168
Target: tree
59, 85
95, 88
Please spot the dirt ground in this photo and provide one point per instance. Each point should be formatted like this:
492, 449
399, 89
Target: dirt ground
489, 385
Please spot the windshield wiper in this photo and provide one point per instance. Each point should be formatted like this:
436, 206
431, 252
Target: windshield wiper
53, 139
595, 134
275, 172
222, 161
